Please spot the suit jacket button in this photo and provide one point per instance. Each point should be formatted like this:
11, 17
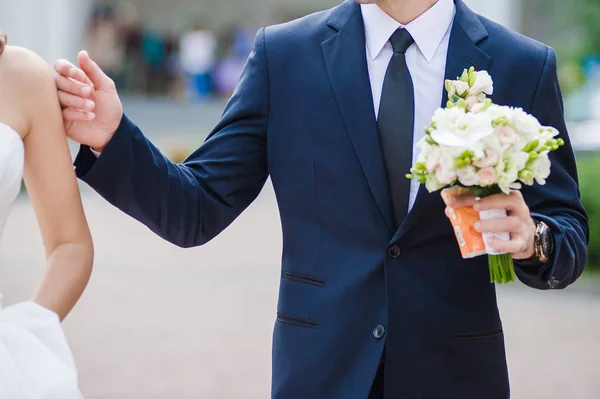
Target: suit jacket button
394, 251
379, 331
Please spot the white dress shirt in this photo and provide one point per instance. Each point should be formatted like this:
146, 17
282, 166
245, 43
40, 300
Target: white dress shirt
426, 60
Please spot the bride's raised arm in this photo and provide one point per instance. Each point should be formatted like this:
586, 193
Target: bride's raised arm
51, 182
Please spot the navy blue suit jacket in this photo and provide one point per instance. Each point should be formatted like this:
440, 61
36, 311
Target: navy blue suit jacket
303, 115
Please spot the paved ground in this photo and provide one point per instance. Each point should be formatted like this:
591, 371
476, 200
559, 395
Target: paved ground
158, 322
161, 322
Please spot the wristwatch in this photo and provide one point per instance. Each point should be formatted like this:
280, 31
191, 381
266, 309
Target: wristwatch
543, 242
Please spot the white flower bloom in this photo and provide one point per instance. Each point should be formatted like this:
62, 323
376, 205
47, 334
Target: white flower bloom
487, 177
471, 102
496, 153
462, 88
447, 160
433, 158
426, 148
483, 84
445, 118
491, 158
526, 126
450, 87
520, 160
445, 176
497, 111
468, 131
476, 108
506, 135
467, 176
541, 169
431, 184
508, 169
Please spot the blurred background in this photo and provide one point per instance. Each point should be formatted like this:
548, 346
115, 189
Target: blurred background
162, 322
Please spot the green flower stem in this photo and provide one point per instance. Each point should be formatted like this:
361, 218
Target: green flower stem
502, 268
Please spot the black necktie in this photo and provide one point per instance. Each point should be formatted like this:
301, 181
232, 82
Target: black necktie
395, 123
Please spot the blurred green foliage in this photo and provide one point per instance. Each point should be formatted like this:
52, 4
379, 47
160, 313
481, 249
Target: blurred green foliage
571, 27
588, 19
588, 165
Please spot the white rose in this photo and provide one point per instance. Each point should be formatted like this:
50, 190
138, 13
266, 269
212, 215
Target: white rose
491, 158
486, 177
467, 176
483, 84
506, 135
491, 142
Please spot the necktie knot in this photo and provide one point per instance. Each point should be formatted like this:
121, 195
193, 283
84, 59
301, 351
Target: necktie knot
401, 40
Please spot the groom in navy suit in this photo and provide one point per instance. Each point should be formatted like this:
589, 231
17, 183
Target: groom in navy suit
375, 300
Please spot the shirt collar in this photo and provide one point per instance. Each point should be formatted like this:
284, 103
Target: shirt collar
427, 30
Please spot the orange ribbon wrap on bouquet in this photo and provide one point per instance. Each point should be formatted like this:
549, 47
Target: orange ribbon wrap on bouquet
463, 221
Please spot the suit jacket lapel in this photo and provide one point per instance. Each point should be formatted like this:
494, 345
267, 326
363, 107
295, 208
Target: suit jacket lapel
346, 62
463, 52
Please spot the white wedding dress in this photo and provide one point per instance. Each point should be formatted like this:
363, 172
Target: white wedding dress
35, 360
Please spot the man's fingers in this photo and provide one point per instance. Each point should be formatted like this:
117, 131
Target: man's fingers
508, 224
79, 75
77, 115
512, 202
63, 67
448, 212
68, 70
68, 100
460, 201
97, 77
515, 246
72, 86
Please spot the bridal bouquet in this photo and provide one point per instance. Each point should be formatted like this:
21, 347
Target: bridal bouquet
475, 145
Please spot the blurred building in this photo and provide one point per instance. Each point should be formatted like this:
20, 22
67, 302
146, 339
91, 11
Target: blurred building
51, 28
173, 15
57, 28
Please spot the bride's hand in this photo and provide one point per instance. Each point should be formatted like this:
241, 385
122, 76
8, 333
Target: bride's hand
91, 106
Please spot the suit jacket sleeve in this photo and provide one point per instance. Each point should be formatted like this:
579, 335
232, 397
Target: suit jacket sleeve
558, 202
191, 203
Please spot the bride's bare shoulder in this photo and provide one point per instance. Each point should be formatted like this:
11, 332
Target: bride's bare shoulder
23, 68
26, 88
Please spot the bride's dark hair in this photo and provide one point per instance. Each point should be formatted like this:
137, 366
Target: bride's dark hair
2, 41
